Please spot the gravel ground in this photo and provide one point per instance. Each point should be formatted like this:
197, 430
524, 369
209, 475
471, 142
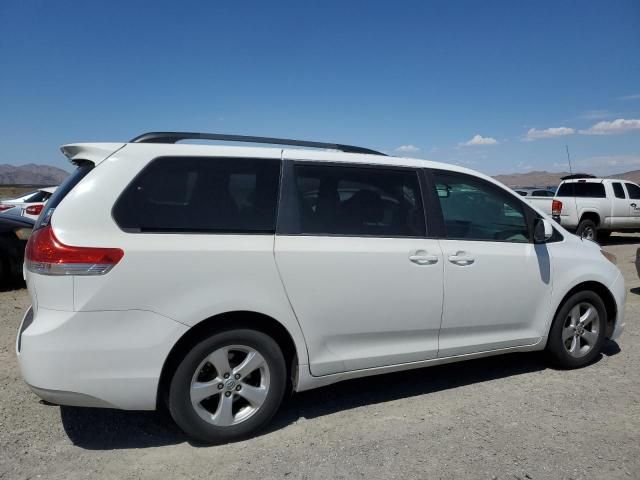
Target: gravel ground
506, 417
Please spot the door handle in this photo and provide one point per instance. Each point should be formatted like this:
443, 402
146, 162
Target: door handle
421, 257
461, 258
633, 205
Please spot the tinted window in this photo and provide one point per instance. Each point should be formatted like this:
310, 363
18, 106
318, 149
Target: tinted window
38, 196
357, 201
581, 189
522, 192
618, 190
199, 194
65, 187
634, 191
542, 193
473, 209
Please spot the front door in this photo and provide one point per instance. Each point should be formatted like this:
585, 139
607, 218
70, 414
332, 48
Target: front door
363, 280
496, 282
634, 203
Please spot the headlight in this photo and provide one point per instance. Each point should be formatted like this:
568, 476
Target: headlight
609, 256
23, 233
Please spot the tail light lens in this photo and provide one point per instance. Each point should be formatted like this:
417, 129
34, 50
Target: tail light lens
556, 207
4, 206
45, 254
34, 209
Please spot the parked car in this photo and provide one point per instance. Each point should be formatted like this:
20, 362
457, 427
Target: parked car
594, 207
214, 279
14, 232
28, 205
534, 192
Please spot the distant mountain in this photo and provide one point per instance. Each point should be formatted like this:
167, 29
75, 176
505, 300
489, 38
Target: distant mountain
632, 176
531, 179
31, 174
544, 178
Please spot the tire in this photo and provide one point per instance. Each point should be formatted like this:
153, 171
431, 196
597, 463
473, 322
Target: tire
587, 229
593, 329
225, 414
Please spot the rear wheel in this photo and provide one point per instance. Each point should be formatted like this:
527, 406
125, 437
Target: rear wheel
228, 386
587, 230
578, 331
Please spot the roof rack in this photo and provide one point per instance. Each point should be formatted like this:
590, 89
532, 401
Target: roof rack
577, 175
174, 137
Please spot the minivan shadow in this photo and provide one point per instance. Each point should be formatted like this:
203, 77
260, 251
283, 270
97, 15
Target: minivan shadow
103, 429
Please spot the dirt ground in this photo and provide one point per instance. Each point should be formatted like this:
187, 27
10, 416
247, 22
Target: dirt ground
507, 417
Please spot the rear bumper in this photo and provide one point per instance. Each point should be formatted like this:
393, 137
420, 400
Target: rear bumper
619, 291
107, 359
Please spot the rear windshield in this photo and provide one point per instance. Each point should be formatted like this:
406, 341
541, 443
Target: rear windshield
65, 187
581, 189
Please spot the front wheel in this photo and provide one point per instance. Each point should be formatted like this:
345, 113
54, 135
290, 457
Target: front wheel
228, 386
578, 331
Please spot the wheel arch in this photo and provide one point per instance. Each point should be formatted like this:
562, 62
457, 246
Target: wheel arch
228, 321
603, 292
590, 215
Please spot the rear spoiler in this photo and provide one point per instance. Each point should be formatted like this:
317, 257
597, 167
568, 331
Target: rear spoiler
93, 152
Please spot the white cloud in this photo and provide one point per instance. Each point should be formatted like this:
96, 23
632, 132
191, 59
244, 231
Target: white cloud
635, 96
479, 140
407, 149
535, 134
614, 127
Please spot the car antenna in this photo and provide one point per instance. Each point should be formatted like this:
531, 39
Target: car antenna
573, 184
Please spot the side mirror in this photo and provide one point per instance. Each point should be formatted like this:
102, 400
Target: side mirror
542, 230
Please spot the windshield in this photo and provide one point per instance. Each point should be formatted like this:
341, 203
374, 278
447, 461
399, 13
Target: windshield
61, 192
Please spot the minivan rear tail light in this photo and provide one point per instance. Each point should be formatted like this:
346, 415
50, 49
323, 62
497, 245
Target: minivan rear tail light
4, 206
45, 254
34, 209
556, 208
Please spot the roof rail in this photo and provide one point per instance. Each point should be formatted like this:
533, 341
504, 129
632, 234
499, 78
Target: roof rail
174, 137
576, 176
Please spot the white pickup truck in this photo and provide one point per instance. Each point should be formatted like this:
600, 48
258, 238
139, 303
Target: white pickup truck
593, 207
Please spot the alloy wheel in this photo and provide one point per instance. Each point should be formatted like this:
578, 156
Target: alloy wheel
230, 385
581, 329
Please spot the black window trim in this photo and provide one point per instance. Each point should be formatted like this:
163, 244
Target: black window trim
529, 213
625, 183
288, 215
193, 231
625, 194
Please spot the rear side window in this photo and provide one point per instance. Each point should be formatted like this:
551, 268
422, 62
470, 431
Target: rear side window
62, 191
581, 189
201, 194
634, 191
358, 201
473, 209
618, 190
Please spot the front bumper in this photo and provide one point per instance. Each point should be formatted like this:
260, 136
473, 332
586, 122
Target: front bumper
96, 359
619, 292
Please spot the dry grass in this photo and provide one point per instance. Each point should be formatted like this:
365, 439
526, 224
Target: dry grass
7, 191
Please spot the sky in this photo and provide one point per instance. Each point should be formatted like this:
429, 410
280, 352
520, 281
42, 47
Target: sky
498, 86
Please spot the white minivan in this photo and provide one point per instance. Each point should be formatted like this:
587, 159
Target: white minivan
214, 279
